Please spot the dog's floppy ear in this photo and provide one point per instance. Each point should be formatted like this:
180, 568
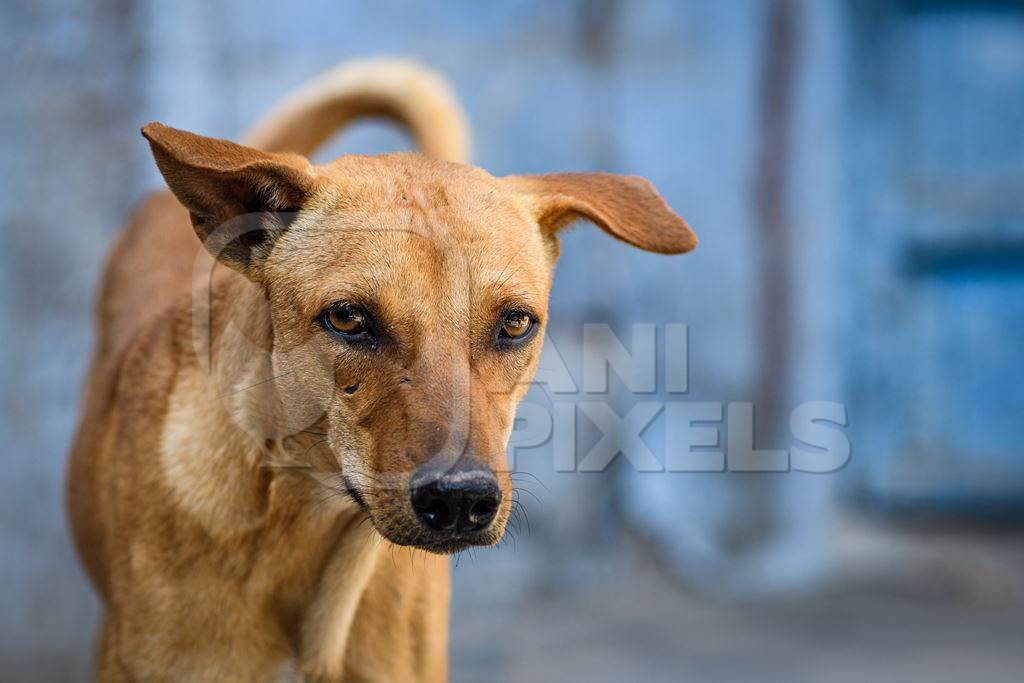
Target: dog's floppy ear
230, 190
626, 207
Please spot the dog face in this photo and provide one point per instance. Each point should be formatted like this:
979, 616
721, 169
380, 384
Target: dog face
407, 299
418, 326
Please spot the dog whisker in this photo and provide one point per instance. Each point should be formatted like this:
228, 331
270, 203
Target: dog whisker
532, 476
530, 493
518, 506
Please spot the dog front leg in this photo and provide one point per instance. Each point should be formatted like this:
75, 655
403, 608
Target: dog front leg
328, 621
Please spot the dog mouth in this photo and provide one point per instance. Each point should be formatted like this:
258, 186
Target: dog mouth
448, 548
449, 544
354, 494
408, 533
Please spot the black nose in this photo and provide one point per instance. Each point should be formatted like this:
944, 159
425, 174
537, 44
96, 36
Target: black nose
463, 498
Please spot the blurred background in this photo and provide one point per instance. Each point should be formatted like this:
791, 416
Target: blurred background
855, 171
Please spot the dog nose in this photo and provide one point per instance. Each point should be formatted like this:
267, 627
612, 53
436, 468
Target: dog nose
462, 499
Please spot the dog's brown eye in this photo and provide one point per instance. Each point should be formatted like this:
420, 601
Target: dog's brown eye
516, 328
516, 325
345, 319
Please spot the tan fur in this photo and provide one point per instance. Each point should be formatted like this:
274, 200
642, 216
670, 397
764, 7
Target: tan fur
228, 439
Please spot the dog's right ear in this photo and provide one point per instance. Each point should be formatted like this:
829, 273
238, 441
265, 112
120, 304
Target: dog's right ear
240, 199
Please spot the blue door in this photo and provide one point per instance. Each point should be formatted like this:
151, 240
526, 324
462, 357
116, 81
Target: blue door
935, 247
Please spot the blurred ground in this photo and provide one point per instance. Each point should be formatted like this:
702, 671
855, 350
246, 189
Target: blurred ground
954, 622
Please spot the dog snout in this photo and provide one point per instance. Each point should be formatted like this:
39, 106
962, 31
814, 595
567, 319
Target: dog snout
459, 500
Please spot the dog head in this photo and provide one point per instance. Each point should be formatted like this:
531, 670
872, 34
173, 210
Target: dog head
407, 300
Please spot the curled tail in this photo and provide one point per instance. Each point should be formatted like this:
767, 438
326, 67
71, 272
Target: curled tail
417, 98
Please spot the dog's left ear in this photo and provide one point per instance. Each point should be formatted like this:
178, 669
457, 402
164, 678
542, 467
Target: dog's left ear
219, 181
628, 208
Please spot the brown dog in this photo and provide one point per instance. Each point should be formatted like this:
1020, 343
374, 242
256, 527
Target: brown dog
275, 455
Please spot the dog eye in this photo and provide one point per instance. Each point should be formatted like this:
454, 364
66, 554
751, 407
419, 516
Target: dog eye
345, 319
516, 324
515, 327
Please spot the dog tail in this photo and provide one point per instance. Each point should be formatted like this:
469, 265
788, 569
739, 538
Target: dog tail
401, 90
